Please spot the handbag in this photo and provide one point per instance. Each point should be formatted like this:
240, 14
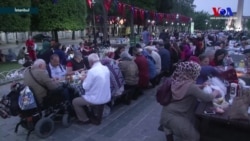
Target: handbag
164, 94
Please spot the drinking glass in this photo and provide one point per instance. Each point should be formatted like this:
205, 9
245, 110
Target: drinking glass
233, 92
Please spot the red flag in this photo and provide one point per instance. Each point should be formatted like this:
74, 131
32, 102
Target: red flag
142, 13
89, 2
107, 4
122, 9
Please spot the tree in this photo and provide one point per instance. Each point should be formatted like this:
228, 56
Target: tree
63, 15
248, 24
164, 6
183, 7
218, 24
14, 22
200, 19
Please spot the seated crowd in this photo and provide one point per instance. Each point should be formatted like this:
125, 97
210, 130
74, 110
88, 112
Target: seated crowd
124, 74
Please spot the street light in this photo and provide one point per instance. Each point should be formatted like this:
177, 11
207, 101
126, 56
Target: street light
172, 24
206, 23
151, 23
177, 19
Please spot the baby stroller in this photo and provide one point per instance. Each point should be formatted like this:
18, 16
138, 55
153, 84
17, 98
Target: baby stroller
40, 119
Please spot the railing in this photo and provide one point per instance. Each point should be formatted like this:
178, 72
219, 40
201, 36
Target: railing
12, 75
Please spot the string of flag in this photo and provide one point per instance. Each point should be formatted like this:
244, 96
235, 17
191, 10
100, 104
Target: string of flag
140, 15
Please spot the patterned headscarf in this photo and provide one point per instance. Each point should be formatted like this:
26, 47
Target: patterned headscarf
185, 74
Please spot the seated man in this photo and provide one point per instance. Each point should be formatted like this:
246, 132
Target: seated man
96, 86
55, 69
75, 64
43, 85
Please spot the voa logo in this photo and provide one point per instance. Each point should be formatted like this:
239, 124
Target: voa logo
225, 12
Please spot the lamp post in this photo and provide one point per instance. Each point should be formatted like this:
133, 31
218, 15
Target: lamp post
206, 22
177, 20
151, 23
172, 24
191, 25
132, 34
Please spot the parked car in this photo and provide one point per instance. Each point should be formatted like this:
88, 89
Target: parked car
41, 38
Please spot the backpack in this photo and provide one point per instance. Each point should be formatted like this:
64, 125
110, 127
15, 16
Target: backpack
164, 93
11, 99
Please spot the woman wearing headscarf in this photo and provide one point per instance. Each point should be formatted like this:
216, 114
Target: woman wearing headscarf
178, 117
45, 52
118, 51
130, 73
116, 77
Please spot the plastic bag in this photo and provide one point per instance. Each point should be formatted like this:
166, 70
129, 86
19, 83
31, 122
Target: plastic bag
26, 99
217, 84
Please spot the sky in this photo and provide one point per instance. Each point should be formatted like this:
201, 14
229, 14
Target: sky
206, 5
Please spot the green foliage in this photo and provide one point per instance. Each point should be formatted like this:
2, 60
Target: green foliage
218, 24
64, 15
14, 22
248, 24
200, 19
164, 6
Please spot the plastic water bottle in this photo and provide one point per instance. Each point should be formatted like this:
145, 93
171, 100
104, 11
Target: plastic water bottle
242, 64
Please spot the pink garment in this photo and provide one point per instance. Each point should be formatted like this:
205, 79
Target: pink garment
194, 58
186, 52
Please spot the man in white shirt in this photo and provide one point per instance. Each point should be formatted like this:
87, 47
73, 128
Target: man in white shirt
55, 69
96, 86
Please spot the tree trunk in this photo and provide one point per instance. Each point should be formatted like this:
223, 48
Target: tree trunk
82, 36
6, 37
105, 18
16, 39
138, 29
55, 35
30, 33
73, 35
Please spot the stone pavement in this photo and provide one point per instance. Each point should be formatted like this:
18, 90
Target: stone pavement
136, 122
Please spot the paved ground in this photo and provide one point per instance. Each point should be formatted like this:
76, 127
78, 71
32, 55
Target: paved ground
136, 122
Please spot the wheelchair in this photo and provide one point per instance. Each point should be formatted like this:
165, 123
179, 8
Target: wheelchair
42, 119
